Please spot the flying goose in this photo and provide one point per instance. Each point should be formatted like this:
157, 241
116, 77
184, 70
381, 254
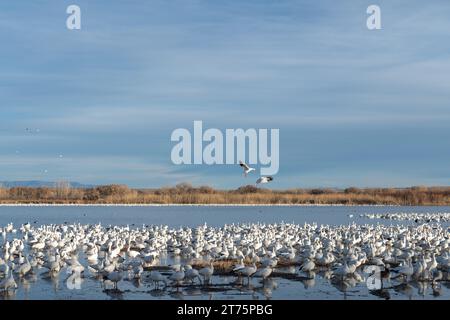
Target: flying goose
247, 169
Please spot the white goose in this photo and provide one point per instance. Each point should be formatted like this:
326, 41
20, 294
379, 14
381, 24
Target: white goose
308, 266
191, 274
177, 276
249, 271
115, 277
157, 277
264, 180
8, 282
207, 272
4, 268
25, 268
406, 270
247, 169
239, 266
344, 270
264, 273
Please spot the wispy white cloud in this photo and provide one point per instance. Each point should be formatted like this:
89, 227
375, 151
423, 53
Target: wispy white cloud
137, 71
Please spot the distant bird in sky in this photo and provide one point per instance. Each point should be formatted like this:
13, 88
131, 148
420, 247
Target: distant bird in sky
263, 180
247, 169
29, 130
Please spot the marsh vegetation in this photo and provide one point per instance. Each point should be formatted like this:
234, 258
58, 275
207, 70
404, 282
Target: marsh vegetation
185, 193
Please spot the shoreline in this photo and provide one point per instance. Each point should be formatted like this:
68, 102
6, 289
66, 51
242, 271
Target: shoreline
186, 195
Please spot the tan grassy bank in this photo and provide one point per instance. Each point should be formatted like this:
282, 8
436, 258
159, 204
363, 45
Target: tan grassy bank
247, 195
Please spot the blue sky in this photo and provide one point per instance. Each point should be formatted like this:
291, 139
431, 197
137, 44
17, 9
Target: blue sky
354, 107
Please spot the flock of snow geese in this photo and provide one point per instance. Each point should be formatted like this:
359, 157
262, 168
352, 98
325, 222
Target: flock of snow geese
111, 254
411, 216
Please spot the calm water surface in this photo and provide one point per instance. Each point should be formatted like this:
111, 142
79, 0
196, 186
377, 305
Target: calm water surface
191, 216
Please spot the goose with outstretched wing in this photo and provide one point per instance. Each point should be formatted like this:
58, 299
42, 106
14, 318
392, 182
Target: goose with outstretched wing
247, 169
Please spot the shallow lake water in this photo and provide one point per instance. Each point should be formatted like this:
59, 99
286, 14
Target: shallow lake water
191, 216
316, 286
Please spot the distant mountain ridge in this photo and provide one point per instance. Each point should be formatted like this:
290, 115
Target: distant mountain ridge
39, 184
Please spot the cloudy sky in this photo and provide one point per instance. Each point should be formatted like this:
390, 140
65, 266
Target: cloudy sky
354, 107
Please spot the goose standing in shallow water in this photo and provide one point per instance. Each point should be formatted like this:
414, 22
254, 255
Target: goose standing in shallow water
114, 276
264, 273
191, 274
343, 270
308, 266
249, 271
8, 282
4, 268
239, 266
405, 270
207, 272
177, 276
25, 268
156, 278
